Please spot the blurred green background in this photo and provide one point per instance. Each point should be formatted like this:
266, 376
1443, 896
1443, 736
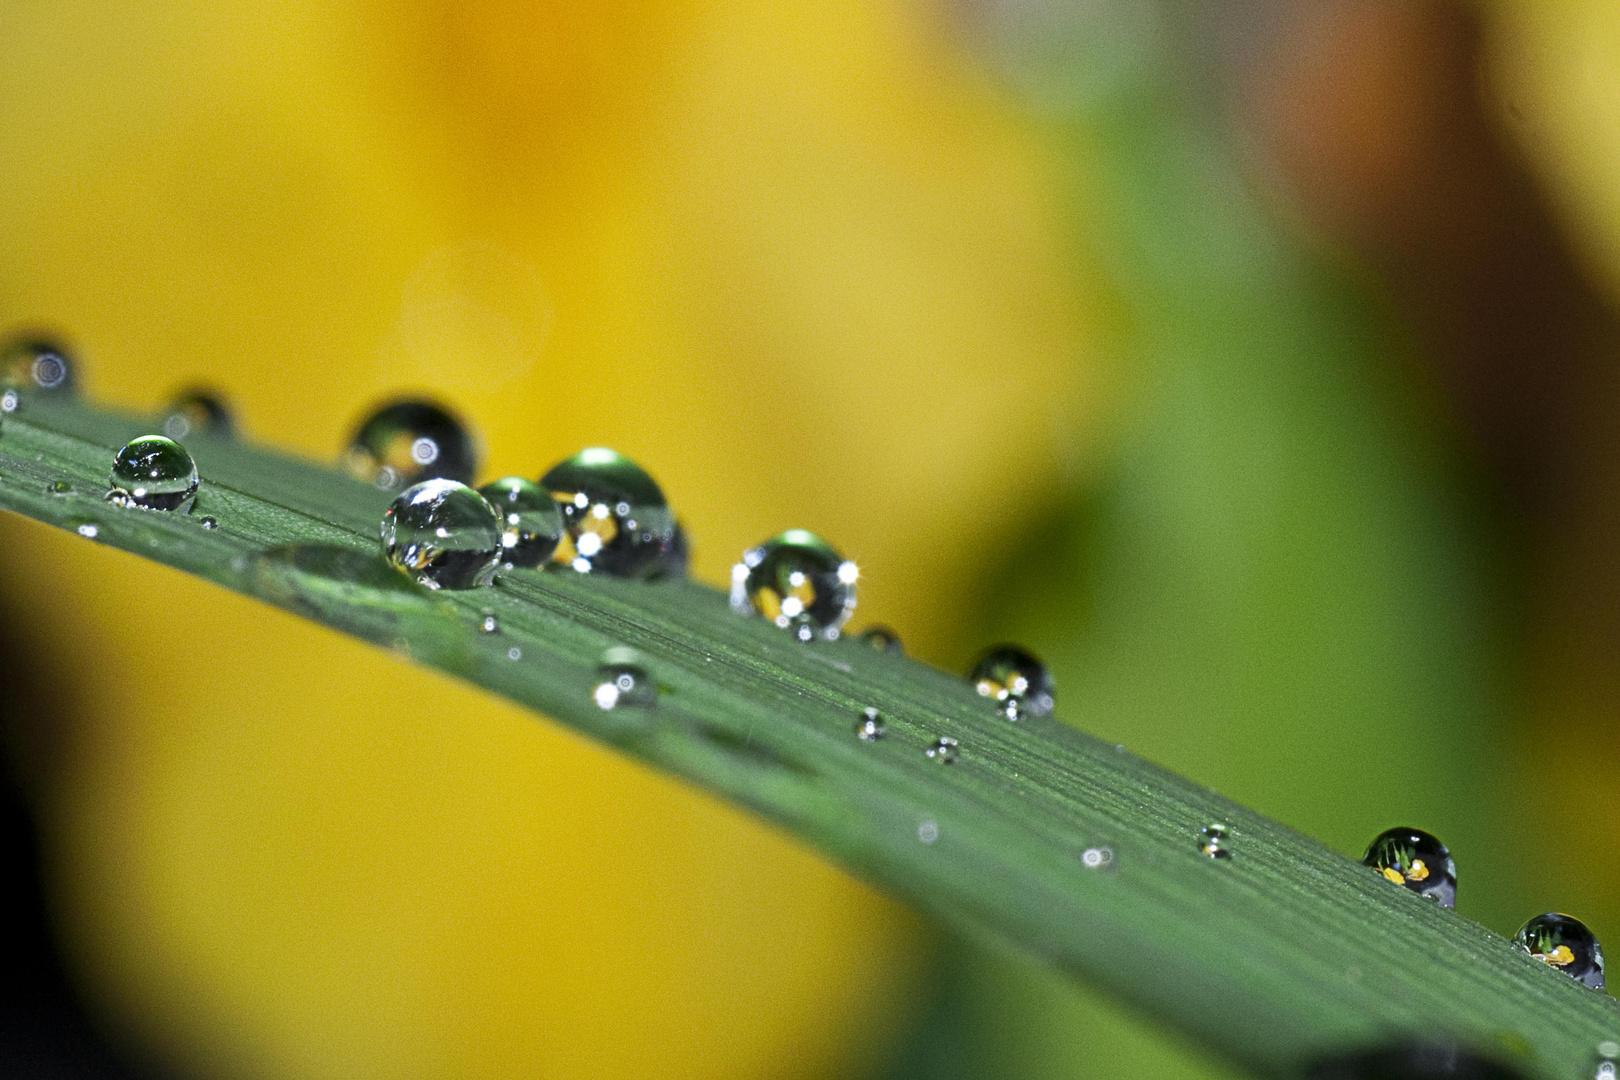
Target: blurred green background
1252, 362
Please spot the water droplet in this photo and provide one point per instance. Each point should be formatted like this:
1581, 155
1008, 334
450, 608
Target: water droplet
624, 681
488, 623
531, 524
1097, 858
1609, 1048
443, 534
1411, 1061
944, 750
407, 442
1607, 1068
209, 522
197, 412
9, 401
871, 726
883, 640
1213, 841
1415, 860
88, 530
799, 582
1563, 942
615, 519
928, 830
1019, 683
36, 364
514, 653
59, 487
154, 473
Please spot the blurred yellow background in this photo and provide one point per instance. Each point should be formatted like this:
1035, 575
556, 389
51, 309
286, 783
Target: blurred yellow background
813, 264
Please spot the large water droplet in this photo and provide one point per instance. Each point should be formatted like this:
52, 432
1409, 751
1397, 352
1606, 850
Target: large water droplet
1214, 841
531, 524
443, 534
154, 473
944, 750
36, 364
1563, 942
871, 726
1411, 1061
1415, 860
1015, 680
883, 640
624, 681
197, 412
408, 442
799, 582
615, 520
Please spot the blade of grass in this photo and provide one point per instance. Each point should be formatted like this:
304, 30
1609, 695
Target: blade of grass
1273, 957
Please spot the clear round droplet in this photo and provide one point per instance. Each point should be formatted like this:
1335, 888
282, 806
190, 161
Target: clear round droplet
1015, 680
9, 401
944, 750
514, 653
882, 639
615, 519
154, 473
531, 524
1563, 942
1415, 860
59, 487
1097, 858
407, 442
197, 412
1213, 840
871, 726
208, 522
1607, 1067
32, 364
928, 830
88, 530
797, 581
488, 623
443, 534
624, 681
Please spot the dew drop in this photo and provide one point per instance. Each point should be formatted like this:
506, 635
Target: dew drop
1414, 860
488, 623
1563, 942
197, 412
1015, 680
943, 750
928, 830
531, 524
615, 519
883, 640
209, 522
796, 580
9, 401
88, 530
59, 487
1213, 841
624, 681
871, 726
154, 473
443, 534
514, 653
1097, 858
1606, 1068
407, 442
32, 364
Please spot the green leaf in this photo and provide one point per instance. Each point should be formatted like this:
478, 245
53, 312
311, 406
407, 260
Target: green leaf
1282, 953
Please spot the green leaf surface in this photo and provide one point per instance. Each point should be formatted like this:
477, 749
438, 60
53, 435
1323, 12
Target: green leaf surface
1272, 958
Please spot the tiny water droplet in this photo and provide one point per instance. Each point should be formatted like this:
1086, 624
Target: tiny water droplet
208, 522
1563, 942
615, 519
1414, 860
407, 442
943, 750
624, 681
488, 623
88, 530
928, 830
1015, 680
883, 640
531, 524
514, 653
1212, 841
1097, 858
443, 534
871, 726
9, 401
59, 487
35, 364
154, 473
1606, 1068
796, 580
197, 412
